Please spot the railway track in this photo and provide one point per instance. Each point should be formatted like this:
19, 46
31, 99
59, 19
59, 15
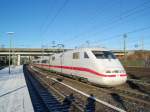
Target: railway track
37, 102
130, 93
128, 99
141, 82
135, 95
80, 96
139, 75
63, 106
42, 99
138, 79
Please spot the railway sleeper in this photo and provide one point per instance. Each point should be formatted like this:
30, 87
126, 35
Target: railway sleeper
126, 93
45, 97
65, 108
75, 106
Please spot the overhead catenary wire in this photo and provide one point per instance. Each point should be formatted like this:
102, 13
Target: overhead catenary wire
129, 32
126, 14
140, 42
116, 21
129, 13
121, 34
54, 17
92, 19
100, 11
47, 17
133, 31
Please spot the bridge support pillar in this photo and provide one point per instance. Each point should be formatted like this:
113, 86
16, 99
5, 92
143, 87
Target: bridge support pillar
30, 59
18, 59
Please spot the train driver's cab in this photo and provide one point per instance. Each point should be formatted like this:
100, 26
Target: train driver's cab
103, 55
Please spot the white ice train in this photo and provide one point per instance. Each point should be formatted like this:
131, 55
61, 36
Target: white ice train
97, 65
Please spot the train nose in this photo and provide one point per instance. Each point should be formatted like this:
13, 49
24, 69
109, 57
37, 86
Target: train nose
114, 81
115, 77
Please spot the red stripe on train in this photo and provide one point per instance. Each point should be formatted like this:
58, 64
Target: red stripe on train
82, 69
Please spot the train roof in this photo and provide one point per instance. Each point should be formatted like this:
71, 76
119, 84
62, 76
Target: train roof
87, 49
100, 49
83, 49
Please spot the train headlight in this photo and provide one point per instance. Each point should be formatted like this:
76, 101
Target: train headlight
115, 71
108, 71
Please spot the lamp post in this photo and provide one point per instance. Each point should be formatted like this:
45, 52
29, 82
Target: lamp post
10, 41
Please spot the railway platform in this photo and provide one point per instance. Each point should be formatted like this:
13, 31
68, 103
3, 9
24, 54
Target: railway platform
14, 95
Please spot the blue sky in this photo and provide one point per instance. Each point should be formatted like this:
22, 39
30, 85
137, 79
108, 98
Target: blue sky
73, 22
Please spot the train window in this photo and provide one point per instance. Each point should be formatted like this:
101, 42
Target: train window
44, 61
109, 55
86, 55
76, 55
53, 58
104, 55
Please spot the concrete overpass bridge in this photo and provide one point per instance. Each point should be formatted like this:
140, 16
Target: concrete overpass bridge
18, 54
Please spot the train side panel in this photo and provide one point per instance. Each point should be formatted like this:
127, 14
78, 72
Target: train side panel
83, 63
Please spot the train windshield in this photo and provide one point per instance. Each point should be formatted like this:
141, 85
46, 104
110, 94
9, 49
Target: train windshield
104, 55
